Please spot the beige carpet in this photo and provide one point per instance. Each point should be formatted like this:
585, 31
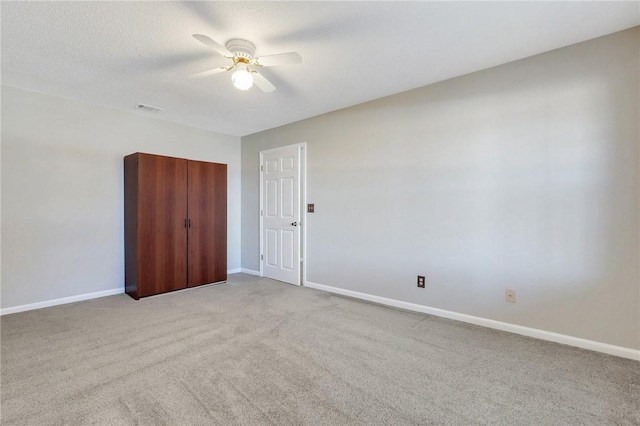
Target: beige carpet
255, 351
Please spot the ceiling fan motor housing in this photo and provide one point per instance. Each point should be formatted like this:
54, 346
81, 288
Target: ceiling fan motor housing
241, 48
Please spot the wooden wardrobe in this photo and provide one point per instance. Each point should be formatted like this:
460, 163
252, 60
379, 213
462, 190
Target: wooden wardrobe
175, 223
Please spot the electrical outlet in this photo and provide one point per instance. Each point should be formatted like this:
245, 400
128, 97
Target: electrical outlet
510, 295
421, 281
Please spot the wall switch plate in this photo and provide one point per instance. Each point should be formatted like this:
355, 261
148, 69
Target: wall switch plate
311, 208
510, 295
421, 281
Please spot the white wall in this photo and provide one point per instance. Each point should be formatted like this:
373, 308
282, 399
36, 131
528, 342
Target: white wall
522, 176
62, 191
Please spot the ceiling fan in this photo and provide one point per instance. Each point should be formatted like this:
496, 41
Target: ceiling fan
238, 56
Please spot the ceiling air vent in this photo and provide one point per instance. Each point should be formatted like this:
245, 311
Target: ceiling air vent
148, 108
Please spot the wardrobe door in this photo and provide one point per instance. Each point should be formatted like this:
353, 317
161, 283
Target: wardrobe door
162, 216
208, 223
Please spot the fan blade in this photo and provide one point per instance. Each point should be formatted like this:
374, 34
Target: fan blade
280, 59
263, 84
208, 73
212, 44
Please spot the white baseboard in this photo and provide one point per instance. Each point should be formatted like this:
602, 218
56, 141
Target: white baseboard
489, 323
61, 301
234, 271
250, 272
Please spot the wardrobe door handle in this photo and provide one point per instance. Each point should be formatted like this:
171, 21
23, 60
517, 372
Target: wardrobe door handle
189, 223
185, 224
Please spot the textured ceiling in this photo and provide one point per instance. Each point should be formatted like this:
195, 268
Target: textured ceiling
119, 54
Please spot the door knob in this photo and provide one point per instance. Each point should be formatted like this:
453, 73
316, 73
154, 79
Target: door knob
294, 224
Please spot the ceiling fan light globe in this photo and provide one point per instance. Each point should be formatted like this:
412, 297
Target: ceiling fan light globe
242, 79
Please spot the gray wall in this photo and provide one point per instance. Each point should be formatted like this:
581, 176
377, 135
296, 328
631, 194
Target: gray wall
62, 191
522, 176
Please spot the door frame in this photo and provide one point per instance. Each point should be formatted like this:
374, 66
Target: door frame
302, 249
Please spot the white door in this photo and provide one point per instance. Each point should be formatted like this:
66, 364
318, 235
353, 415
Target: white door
280, 209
